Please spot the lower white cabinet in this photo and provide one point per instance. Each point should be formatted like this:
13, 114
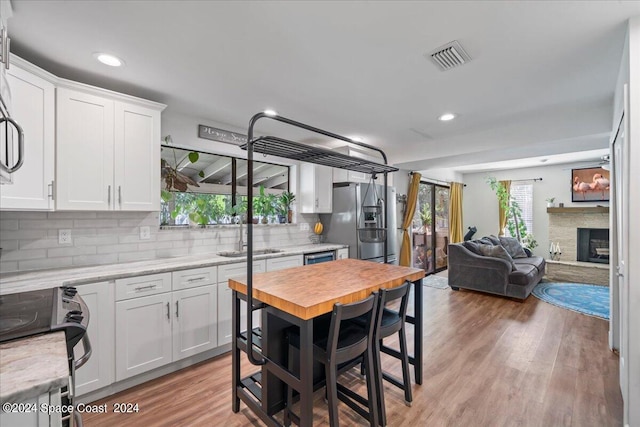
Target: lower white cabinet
195, 324
342, 253
155, 330
143, 331
32, 416
98, 371
225, 299
275, 264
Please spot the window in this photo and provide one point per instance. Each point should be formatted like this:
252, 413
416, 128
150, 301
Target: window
522, 194
203, 188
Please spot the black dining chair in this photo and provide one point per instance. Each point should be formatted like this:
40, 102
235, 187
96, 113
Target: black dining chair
345, 344
389, 322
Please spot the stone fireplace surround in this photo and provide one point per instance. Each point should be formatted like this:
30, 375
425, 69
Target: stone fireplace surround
563, 229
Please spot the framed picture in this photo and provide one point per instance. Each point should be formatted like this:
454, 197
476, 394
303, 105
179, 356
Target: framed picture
590, 185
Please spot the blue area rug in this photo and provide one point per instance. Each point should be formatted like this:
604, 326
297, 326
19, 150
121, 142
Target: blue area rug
587, 299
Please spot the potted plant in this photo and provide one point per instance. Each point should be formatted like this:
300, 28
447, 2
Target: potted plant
286, 199
265, 205
425, 216
550, 202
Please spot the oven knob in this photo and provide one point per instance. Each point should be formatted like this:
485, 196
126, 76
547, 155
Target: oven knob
75, 318
70, 292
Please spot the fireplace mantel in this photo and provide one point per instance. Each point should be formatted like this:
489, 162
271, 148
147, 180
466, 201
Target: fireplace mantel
579, 210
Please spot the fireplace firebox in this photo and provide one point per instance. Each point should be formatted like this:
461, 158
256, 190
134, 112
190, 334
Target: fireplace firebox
593, 245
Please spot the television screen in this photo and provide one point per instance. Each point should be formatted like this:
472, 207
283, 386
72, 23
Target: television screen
590, 185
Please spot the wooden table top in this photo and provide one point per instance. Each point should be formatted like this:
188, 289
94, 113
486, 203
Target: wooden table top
311, 290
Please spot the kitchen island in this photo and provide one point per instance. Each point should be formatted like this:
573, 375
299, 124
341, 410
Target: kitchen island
296, 296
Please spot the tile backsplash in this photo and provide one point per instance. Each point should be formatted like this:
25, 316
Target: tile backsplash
29, 240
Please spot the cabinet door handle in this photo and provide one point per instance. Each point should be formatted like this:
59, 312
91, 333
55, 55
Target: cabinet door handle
168, 311
316, 203
120, 195
109, 195
177, 309
143, 288
51, 194
195, 279
6, 52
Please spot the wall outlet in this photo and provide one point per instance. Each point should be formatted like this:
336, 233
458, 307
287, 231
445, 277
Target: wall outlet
145, 233
64, 237
304, 226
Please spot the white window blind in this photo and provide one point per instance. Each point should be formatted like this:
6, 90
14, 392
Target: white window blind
523, 194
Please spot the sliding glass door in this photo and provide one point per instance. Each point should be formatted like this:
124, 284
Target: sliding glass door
430, 228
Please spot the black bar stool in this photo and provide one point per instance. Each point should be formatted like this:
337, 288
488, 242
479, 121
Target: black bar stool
345, 345
388, 322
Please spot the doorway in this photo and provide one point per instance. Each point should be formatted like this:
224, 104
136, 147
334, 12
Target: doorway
430, 228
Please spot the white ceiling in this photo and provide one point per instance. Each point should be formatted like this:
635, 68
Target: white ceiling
540, 81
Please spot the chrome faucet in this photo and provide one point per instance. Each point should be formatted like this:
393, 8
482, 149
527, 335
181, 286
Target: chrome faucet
241, 243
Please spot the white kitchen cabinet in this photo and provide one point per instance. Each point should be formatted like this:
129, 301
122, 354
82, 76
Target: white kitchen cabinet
143, 334
34, 417
342, 253
184, 279
195, 323
34, 109
316, 188
142, 286
137, 158
108, 153
225, 299
275, 264
98, 371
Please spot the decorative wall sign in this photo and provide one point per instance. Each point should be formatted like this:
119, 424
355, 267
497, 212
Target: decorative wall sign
221, 135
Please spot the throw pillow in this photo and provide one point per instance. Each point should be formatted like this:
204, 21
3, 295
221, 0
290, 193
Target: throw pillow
493, 239
473, 246
486, 241
497, 252
514, 247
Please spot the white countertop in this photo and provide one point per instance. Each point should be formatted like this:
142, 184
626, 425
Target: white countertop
43, 279
32, 366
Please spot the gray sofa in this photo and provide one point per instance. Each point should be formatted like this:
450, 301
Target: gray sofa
468, 270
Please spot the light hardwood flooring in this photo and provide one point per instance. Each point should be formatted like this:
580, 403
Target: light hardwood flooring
489, 361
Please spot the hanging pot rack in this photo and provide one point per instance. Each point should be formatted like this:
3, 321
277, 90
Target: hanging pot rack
276, 146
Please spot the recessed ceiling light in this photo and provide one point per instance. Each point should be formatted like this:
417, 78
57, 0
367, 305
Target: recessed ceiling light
107, 59
446, 117
270, 113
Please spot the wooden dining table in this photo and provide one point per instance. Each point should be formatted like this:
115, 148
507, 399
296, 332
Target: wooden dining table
295, 296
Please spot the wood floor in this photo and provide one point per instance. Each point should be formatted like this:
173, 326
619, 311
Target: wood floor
489, 361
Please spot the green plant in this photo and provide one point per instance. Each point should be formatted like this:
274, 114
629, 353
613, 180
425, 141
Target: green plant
175, 180
515, 223
286, 199
551, 199
425, 214
265, 204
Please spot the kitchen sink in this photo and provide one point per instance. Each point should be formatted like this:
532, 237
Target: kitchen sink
238, 254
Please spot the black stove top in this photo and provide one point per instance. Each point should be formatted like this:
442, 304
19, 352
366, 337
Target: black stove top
36, 312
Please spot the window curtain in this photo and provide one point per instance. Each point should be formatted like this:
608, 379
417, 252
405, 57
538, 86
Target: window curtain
502, 212
455, 212
412, 200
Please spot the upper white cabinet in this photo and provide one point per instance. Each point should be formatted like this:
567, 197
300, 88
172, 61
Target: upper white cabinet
108, 153
316, 188
33, 107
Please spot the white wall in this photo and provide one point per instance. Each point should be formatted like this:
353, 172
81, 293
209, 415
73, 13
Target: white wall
630, 74
480, 203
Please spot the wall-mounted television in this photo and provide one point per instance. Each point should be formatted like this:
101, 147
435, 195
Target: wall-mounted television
590, 185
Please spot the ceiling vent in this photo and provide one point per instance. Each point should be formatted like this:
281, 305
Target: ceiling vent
449, 56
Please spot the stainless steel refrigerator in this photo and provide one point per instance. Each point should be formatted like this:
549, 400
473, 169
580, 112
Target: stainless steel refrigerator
348, 215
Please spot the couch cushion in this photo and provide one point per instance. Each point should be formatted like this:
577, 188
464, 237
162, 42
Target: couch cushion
512, 246
537, 261
523, 275
497, 252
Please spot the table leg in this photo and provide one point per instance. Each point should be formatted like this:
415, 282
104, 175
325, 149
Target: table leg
417, 292
306, 373
235, 352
